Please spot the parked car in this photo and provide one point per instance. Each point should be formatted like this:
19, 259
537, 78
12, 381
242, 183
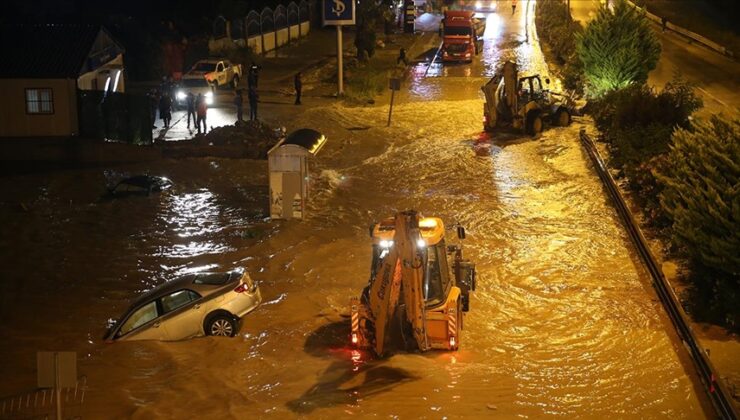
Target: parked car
189, 306
196, 85
140, 185
217, 72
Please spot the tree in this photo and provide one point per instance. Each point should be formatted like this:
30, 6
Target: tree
369, 15
702, 193
617, 48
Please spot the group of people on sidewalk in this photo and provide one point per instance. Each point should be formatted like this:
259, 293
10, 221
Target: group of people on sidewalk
162, 101
197, 107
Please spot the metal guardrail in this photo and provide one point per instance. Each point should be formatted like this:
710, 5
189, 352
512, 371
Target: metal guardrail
40, 404
716, 390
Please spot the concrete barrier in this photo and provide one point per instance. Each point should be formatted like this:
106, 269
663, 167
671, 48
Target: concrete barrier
294, 32
268, 42
255, 43
305, 27
282, 37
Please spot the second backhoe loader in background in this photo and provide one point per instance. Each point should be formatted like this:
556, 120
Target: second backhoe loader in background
522, 102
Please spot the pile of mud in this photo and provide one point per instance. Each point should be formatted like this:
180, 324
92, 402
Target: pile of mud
247, 140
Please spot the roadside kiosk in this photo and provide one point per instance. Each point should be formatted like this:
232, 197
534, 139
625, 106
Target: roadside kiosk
287, 163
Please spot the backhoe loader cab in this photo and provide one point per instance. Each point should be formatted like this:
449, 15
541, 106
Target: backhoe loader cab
523, 102
414, 274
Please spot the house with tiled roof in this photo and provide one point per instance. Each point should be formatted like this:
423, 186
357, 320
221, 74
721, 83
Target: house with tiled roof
42, 68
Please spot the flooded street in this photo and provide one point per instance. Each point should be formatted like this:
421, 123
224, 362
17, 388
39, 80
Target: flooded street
564, 322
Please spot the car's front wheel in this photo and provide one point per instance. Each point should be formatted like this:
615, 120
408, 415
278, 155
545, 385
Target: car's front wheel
221, 326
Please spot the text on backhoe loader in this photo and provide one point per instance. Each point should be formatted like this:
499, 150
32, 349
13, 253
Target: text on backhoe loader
410, 278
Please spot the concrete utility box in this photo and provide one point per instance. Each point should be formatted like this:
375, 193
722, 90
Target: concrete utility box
287, 163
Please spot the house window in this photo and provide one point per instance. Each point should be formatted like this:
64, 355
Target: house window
39, 101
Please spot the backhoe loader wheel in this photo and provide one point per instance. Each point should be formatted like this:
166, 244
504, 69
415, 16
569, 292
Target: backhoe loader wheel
534, 124
562, 118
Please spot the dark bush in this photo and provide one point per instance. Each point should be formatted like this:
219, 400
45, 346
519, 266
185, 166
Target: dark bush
701, 196
637, 123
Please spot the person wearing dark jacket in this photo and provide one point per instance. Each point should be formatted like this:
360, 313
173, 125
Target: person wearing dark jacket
253, 99
190, 100
201, 107
165, 109
402, 57
298, 85
253, 75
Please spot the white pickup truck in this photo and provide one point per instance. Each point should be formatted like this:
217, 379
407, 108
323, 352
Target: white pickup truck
217, 72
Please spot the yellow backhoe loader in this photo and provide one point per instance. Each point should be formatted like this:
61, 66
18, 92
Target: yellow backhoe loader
523, 102
410, 282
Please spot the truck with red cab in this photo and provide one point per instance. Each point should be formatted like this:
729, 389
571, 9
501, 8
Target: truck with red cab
460, 36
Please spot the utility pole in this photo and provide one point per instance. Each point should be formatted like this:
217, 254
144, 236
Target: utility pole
338, 13
340, 68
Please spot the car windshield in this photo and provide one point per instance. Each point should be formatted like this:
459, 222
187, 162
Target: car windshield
457, 30
215, 279
192, 83
140, 317
204, 67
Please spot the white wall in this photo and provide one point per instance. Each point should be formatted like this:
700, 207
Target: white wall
85, 81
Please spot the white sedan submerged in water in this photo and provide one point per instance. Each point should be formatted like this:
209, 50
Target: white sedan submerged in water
189, 306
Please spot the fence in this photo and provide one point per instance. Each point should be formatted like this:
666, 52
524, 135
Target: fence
115, 116
262, 31
41, 403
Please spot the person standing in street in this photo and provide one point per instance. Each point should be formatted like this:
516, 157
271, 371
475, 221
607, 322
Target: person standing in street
239, 102
190, 101
201, 108
513, 6
298, 85
253, 76
253, 99
402, 57
165, 109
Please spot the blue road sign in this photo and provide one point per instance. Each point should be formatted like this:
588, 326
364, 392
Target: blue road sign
338, 12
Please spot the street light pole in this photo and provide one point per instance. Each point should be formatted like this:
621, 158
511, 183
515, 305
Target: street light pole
340, 69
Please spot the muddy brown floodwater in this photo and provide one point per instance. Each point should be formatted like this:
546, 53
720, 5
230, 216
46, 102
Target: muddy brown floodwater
564, 322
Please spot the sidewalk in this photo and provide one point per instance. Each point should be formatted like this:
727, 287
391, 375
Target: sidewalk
315, 57
275, 82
